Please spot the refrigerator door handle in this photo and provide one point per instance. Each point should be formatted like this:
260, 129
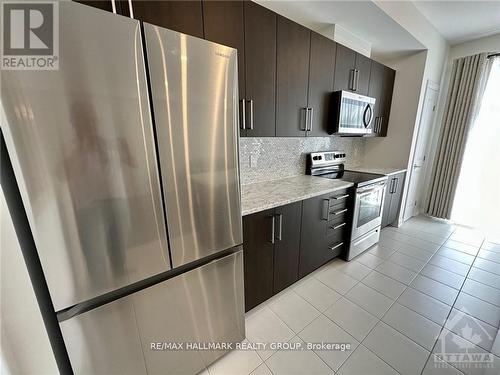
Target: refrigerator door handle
243, 115
130, 9
250, 101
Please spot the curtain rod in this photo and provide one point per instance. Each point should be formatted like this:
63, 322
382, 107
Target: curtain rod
493, 55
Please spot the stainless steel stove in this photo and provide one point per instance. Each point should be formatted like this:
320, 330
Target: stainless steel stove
369, 197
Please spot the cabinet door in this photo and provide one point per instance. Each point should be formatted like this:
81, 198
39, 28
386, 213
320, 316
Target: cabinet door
182, 16
375, 90
292, 75
287, 244
388, 86
387, 201
321, 72
258, 257
344, 68
363, 66
397, 191
260, 70
313, 234
103, 5
223, 23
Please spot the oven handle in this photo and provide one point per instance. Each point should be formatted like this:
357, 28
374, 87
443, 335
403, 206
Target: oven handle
363, 191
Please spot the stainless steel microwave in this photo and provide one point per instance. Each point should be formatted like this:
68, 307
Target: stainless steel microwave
352, 114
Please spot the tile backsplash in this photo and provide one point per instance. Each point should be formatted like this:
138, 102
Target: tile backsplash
274, 158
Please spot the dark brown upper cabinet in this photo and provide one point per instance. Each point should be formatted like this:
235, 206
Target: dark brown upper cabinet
344, 68
381, 86
363, 68
103, 5
292, 77
352, 71
389, 77
182, 16
321, 73
260, 71
223, 24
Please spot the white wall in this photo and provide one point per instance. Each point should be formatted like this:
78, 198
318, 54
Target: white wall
25, 347
486, 44
396, 149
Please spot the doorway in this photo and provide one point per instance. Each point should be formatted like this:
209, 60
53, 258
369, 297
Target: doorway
417, 171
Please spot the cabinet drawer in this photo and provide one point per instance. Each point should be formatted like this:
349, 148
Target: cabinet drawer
339, 197
337, 213
335, 248
338, 226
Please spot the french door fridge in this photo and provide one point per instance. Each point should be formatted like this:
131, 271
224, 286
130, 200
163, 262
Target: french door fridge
126, 159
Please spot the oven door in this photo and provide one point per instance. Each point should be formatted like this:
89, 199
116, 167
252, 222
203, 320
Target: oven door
368, 209
356, 114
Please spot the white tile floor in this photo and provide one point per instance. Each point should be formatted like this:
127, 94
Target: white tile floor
427, 289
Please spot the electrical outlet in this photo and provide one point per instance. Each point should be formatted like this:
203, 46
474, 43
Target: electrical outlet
253, 161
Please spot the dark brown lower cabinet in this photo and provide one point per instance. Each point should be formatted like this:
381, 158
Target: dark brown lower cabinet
287, 245
258, 249
313, 239
271, 252
326, 224
283, 244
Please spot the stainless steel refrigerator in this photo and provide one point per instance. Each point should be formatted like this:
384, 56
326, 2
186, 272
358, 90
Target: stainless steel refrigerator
127, 162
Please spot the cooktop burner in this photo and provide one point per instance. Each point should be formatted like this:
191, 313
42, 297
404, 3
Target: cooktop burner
358, 178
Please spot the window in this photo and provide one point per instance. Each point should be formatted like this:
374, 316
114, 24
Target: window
477, 199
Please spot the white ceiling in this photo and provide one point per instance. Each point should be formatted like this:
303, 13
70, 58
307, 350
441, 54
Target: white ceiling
461, 21
362, 18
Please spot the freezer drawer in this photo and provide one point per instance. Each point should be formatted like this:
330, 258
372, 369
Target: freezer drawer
195, 104
80, 139
202, 305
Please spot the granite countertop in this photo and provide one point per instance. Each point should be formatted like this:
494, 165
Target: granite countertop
384, 171
269, 194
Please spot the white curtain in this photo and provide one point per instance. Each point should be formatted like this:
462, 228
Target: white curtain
477, 199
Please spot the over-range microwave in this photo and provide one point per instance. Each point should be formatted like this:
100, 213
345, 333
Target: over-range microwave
352, 114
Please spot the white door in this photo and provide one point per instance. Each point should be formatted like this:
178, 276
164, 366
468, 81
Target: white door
417, 172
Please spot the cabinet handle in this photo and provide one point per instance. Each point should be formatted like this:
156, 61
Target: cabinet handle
326, 208
333, 247
251, 114
280, 226
113, 6
396, 181
243, 115
339, 197
272, 229
335, 227
339, 212
306, 119
356, 80
352, 74
311, 109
